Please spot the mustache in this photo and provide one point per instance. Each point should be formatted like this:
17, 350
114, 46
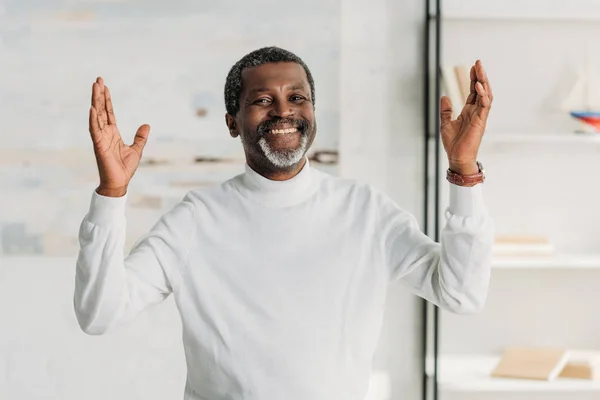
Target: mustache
301, 124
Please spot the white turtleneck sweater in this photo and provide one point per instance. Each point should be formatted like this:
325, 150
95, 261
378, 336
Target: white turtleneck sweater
280, 284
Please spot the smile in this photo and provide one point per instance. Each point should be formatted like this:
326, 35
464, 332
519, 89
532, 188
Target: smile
279, 131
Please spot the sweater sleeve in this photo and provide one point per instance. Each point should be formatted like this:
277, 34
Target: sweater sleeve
453, 274
112, 289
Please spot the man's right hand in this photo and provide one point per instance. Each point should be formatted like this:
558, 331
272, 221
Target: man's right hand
117, 162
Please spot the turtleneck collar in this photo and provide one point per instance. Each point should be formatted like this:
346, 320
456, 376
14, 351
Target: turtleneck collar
278, 193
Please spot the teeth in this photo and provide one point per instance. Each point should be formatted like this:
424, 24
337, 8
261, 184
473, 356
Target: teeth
278, 131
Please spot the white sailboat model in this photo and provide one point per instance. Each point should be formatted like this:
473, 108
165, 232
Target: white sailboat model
583, 101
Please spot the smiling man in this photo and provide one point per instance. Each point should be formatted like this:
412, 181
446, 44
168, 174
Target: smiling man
273, 112
280, 274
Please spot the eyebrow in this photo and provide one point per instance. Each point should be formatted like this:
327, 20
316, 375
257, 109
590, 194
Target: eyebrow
296, 86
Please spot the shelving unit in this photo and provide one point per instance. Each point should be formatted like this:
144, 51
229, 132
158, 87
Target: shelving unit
463, 371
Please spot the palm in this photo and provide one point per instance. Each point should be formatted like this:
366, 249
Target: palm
461, 137
117, 162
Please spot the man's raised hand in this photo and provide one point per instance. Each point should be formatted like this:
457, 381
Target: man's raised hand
117, 162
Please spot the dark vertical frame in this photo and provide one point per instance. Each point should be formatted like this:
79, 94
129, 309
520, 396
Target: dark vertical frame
426, 127
431, 214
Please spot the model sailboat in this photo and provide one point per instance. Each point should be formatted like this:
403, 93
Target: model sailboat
583, 101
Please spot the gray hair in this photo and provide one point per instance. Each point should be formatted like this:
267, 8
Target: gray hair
265, 55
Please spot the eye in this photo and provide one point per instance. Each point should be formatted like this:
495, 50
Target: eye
297, 98
262, 101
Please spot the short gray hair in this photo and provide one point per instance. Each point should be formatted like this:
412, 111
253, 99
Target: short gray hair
265, 55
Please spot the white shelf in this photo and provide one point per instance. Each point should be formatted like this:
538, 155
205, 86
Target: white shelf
562, 261
562, 138
473, 374
521, 10
518, 17
493, 138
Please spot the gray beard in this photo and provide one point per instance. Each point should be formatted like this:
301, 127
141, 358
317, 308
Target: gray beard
284, 159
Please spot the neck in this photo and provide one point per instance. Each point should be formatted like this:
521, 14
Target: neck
278, 174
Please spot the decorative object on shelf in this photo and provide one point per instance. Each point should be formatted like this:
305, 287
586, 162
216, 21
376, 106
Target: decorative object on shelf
539, 363
329, 157
591, 118
583, 101
522, 246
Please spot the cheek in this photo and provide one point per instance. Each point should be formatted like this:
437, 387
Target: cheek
253, 119
308, 113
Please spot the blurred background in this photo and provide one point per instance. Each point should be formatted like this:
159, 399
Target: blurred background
166, 62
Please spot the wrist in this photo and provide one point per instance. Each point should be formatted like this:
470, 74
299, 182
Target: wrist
111, 192
470, 168
464, 176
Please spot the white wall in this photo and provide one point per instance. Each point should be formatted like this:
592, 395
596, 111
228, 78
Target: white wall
380, 143
44, 354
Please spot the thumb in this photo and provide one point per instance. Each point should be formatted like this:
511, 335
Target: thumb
445, 110
140, 139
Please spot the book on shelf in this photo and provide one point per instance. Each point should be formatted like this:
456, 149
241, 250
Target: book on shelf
520, 245
547, 363
531, 363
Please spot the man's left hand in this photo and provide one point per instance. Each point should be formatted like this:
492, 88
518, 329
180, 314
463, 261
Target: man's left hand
461, 137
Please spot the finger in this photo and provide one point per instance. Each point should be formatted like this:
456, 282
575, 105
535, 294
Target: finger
483, 78
112, 120
483, 100
472, 97
96, 96
101, 103
93, 126
140, 139
445, 110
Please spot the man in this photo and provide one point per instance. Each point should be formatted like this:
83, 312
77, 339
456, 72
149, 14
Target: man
280, 274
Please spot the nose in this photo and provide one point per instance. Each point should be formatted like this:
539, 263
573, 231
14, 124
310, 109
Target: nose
282, 109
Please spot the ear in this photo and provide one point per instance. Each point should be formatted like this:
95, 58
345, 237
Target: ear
231, 125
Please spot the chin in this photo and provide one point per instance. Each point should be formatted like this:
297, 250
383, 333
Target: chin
284, 159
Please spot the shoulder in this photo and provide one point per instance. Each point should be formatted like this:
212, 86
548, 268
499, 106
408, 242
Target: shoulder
348, 186
209, 193
363, 195
197, 200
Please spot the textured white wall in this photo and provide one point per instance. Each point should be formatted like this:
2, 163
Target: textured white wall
163, 60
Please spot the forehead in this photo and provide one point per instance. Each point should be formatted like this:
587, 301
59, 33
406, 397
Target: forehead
274, 76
